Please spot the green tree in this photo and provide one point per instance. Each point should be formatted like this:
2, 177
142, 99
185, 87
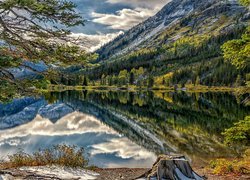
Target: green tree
110, 80
239, 133
163, 81
197, 81
248, 79
85, 81
150, 81
140, 71
35, 30
237, 51
131, 78
123, 77
239, 81
38, 29
103, 80
114, 79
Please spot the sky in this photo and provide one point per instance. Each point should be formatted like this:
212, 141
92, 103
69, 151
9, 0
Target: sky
105, 19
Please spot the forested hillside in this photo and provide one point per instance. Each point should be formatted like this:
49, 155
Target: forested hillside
181, 44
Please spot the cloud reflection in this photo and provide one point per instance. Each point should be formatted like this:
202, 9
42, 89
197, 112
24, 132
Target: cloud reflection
73, 123
129, 150
79, 129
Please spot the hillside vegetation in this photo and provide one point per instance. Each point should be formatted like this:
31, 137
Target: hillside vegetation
181, 45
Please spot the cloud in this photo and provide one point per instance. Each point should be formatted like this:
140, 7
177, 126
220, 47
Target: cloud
93, 42
151, 4
73, 123
123, 148
123, 19
107, 19
126, 18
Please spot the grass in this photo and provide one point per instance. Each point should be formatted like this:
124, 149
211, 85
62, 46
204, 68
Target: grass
61, 155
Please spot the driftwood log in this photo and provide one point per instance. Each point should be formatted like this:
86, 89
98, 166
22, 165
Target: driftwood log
171, 168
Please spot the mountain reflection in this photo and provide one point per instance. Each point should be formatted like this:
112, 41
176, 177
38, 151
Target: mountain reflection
122, 129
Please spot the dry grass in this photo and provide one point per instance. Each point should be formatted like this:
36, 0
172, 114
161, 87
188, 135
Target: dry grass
62, 155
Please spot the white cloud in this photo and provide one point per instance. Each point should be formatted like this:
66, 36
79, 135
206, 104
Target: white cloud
93, 42
123, 19
123, 148
73, 123
151, 4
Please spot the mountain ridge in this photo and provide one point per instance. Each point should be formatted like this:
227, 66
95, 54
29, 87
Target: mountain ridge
167, 17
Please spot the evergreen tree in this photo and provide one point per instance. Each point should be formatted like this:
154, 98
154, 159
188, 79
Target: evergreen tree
150, 81
163, 81
85, 81
239, 81
109, 80
131, 78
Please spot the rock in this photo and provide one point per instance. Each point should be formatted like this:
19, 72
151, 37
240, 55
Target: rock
172, 168
48, 173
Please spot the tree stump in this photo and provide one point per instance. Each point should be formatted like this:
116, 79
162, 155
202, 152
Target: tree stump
171, 168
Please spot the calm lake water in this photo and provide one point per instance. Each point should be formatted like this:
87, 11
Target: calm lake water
122, 129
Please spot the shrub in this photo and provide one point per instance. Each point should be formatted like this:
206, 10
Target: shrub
235, 166
62, 155
239, 133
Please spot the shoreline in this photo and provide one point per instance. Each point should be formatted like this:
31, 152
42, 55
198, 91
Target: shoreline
191, 89
55, 172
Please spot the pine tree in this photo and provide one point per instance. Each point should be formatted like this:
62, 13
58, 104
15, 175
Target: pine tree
239, 81
85, 81
131, 78
150, 81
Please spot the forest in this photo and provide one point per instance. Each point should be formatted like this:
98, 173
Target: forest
192, 60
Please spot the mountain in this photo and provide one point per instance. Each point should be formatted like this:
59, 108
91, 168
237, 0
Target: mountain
185, 17
180, 45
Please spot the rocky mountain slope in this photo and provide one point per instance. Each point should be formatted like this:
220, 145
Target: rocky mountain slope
179, 18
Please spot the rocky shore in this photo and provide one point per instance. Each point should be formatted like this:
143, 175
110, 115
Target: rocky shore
57, 173
165, 167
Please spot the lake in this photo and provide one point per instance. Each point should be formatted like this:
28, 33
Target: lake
122, 129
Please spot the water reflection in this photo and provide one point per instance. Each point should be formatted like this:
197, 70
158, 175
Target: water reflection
122, 129
76, 129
